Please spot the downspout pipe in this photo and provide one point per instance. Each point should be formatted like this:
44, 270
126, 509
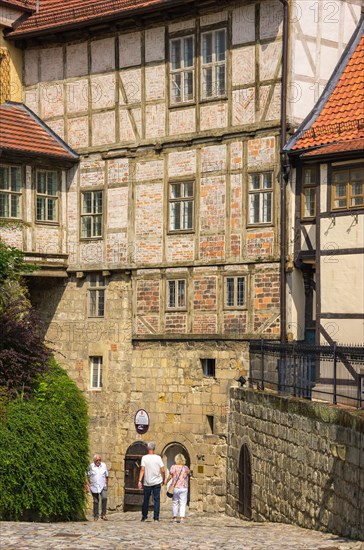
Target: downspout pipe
284, 174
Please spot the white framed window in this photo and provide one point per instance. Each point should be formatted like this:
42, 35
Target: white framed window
96, 292
176, 294
96, 372
348, 188
208, 366
91, 214
235, 291
47, 195
213, 63
182, 69
10, 191
309, 192
260, 198
181, 202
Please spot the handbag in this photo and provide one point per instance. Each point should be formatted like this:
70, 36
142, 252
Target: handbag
170, 490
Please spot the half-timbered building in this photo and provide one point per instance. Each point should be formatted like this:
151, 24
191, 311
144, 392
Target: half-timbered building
169, 227
327, 251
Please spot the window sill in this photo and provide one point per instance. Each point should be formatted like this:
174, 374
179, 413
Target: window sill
213, 99
347, 210
176, 310
236, 308
96, 316
311, 219
91, 239
96, 390
260, 224
181, 232
46, 222
182, 105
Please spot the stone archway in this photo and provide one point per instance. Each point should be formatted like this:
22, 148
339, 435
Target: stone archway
168, 454
245, 482
170, 451
133, 497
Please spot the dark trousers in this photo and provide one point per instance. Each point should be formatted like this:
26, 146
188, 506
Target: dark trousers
97, 497
156, 491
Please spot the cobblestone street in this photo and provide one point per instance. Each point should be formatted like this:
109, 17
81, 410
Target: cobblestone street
199, 532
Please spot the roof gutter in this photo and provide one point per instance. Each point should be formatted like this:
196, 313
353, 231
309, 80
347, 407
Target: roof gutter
284, 175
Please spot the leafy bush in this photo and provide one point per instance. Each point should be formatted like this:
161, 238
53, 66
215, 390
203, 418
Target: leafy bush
12, 264
44, 452
23, 354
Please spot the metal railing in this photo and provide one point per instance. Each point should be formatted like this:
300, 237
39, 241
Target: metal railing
329, 373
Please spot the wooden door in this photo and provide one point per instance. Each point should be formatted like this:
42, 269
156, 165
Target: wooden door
133, 497
245, 482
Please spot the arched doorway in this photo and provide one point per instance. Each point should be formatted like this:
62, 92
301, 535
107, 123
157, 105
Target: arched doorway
169, 452
133, 497
245, 482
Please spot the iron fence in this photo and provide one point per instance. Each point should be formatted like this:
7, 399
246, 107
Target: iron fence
330, 373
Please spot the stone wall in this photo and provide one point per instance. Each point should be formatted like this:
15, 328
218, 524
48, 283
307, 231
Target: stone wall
167, 380
306, 461
188, 407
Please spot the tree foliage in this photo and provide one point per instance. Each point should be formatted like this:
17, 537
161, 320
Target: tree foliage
12, 264
12, 269
44, 452
43, 415
23, 354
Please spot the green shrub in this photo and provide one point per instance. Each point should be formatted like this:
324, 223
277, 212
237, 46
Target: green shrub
12, 263
44, 452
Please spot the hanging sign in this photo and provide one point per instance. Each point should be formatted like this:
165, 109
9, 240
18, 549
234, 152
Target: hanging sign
141, 421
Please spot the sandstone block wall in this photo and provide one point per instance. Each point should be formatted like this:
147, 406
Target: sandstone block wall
166, 378
306, 460
168, 381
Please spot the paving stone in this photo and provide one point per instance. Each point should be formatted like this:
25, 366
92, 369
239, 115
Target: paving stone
199, 532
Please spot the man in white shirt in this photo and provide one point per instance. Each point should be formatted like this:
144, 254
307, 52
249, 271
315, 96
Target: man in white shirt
98, 478
153, 472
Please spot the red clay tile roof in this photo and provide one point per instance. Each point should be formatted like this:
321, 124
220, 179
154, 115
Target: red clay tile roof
342, 147
340, 117
22, 132
27, 5
55, 15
